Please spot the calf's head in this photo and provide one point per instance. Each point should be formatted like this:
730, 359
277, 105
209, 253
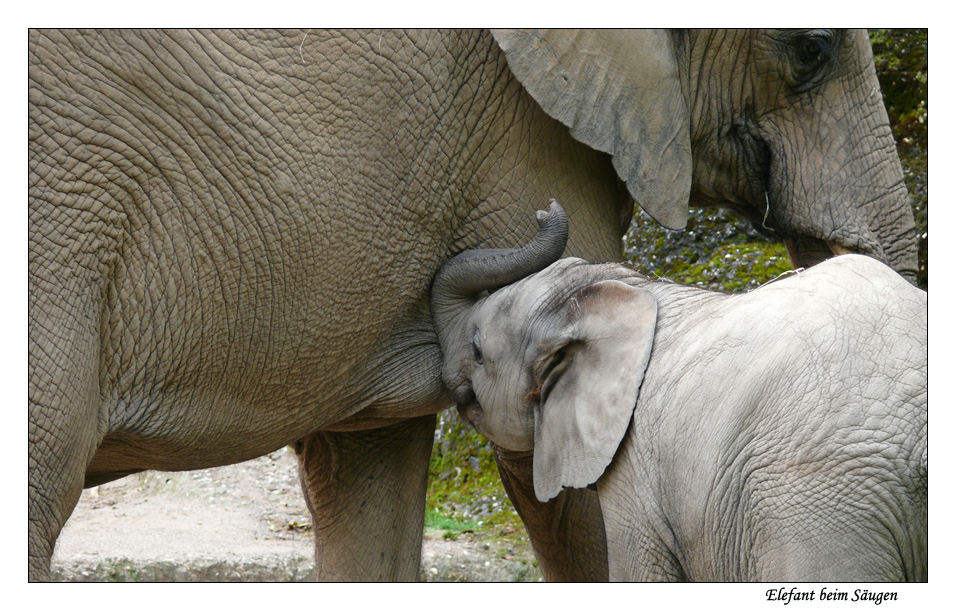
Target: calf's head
552, 363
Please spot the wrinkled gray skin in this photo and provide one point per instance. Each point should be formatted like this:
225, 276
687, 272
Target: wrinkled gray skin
232, 234
779, 435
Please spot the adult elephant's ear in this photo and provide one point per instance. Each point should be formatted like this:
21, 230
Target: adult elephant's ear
618, 91
589, 383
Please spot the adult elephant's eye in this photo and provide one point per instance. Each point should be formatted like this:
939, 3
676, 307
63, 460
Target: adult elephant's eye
811, 54
477, 348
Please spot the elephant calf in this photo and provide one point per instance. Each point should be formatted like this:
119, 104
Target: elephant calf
779, 435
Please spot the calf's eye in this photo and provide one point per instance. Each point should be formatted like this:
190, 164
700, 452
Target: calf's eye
477, 348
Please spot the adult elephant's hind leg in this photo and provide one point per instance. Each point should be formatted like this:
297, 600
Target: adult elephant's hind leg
366, 492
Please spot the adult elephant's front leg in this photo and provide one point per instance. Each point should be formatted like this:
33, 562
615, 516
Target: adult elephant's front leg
366, 492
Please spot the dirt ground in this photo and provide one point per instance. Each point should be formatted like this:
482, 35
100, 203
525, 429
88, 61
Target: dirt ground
244, 522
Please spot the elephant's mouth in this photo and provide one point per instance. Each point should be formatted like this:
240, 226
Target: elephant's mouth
805, 252
470, 413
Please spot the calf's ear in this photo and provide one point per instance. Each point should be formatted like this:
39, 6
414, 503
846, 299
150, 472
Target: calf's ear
586, 408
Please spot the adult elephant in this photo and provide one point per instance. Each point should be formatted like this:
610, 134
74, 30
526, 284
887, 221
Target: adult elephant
232, 234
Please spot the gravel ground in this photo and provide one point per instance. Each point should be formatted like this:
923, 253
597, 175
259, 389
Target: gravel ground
244, 522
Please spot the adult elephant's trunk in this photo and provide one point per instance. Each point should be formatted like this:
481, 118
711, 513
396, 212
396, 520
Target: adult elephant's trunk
459, 282
871, 214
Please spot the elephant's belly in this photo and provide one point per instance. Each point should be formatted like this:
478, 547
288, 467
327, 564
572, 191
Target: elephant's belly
121, 454
187, 427
201, 426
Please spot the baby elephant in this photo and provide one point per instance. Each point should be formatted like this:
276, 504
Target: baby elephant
779, 435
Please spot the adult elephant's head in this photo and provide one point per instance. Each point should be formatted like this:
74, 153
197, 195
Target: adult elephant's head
787, 128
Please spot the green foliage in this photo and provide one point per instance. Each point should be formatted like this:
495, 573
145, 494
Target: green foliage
900, 57
739, 267
716, 251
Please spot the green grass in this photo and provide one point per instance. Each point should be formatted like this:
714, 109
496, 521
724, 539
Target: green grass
435, 520
462, 475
